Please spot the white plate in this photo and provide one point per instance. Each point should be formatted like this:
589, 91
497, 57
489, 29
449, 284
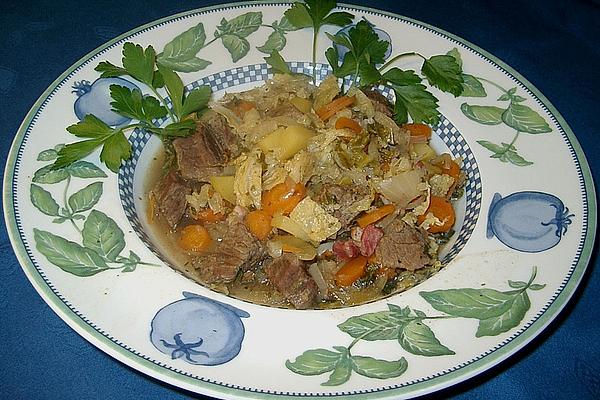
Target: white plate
527, 229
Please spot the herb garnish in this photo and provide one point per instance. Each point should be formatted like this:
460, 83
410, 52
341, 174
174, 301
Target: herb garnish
140, 64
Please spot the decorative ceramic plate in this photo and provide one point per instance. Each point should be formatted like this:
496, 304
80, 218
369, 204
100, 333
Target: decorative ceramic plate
524, 231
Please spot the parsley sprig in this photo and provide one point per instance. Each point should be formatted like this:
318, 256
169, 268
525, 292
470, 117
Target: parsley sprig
139, 64
315, 14
365, 52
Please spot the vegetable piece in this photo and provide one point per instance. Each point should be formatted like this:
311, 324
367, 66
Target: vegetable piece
195, 238
423, 152
301, 104
259, 223
402, 188
452, 169
283, 198
317, 275
351, 271
442, 210
243, 106
314, 220
207, 216
291, 244
349, 123
286, 142
224, 186
419, 133
329, 110
286, 224
375, 215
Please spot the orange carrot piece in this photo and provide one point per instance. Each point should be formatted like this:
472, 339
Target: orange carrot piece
344, 122
283, 197
259, 223
453, 170
207, 216
375, 215
244, 106
442, 209
329, 110
351, 271
195, 238
419, 130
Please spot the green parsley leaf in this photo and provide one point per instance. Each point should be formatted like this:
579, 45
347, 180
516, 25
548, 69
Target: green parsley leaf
90, 127
318, 11
132, 104
109, 70
116, 149
179, 129
196, 100
152, 109
174, 89
139, 63
298, 16
278, 64
75, 151
444, 72
412, 98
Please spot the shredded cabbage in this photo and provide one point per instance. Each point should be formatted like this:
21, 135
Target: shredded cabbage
314, 220
247, 184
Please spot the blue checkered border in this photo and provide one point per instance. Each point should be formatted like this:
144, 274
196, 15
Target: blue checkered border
260, 72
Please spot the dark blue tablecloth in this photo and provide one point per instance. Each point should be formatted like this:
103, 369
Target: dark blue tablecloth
554, 44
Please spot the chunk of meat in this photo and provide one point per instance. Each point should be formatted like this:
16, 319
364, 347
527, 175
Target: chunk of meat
341, 201
235, 249
207, 151
380, 102
345, 249
288, 275
369, 240
402, 247
169, 197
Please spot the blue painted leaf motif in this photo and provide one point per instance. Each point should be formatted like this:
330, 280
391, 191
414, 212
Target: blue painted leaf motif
198, 330
528, 221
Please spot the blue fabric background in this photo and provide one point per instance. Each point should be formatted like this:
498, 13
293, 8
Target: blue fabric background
554, 44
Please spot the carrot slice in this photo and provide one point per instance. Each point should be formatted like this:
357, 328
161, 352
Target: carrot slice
351, 271
207, 216
329, 110
375, 215
442, 209
452, 169
244, 106
418, 131
344, 122
259, 223
195, 238
283, 197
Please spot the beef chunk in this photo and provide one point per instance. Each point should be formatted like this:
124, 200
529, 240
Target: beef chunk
402, 246
339, 200
206, 152
169, 196
290, 278
234, 249
380, 102
286, 109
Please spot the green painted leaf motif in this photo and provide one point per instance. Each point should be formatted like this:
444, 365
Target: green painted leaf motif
537, 286
524, 119
238, 47
504, 97
275, 42
417, 338
184, 46
472, 87
241, 26
67, 255
43, 201
102, 234
517, 284
469, 303
514, 158
456, 54
379, 369
48, 175
85, 198
314, 362
192, 64
47, 155
85, 169
343, 368
285, 25
506, 321
493, 147
487, 115
373, 326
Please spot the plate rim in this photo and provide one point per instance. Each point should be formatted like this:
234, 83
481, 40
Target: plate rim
181, 380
